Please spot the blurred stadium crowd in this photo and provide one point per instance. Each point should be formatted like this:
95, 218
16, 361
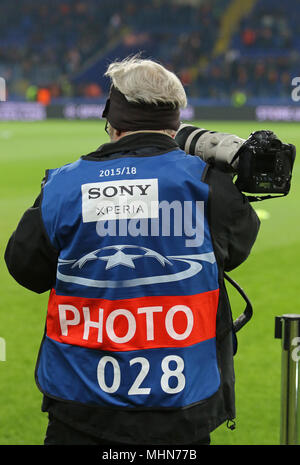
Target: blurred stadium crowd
61, 48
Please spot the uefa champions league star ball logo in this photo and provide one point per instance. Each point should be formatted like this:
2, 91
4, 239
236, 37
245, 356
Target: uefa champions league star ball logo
122, 256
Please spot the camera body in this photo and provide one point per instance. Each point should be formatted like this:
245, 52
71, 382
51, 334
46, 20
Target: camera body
262, 163
265, 164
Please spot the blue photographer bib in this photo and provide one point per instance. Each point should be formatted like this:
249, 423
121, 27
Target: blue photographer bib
131, 320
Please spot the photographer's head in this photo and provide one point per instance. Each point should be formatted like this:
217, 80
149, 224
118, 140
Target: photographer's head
144, 96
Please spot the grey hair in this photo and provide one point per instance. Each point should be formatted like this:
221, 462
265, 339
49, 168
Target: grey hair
144, 80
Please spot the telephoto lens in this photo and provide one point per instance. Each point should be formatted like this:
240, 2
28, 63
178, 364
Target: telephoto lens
187, 137
218, 147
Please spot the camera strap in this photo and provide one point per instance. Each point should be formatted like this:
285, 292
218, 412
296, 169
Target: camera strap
246, 316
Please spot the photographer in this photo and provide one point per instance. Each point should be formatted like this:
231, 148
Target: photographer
139, 340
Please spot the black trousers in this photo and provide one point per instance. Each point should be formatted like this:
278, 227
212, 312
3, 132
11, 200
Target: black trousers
59, 433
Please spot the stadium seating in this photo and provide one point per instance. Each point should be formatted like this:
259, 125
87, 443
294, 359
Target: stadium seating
66, 45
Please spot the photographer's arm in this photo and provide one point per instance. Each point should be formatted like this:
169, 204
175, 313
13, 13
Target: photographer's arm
30, 257
234, 223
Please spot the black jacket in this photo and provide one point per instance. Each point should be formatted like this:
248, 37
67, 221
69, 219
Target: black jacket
32, 261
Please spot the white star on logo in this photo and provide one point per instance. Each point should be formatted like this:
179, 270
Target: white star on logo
120, 258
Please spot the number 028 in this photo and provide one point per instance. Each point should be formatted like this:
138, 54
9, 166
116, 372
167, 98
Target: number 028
136, 388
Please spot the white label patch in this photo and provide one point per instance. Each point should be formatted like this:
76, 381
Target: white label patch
123, 199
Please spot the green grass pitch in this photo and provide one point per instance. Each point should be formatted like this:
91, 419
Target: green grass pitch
270, 277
